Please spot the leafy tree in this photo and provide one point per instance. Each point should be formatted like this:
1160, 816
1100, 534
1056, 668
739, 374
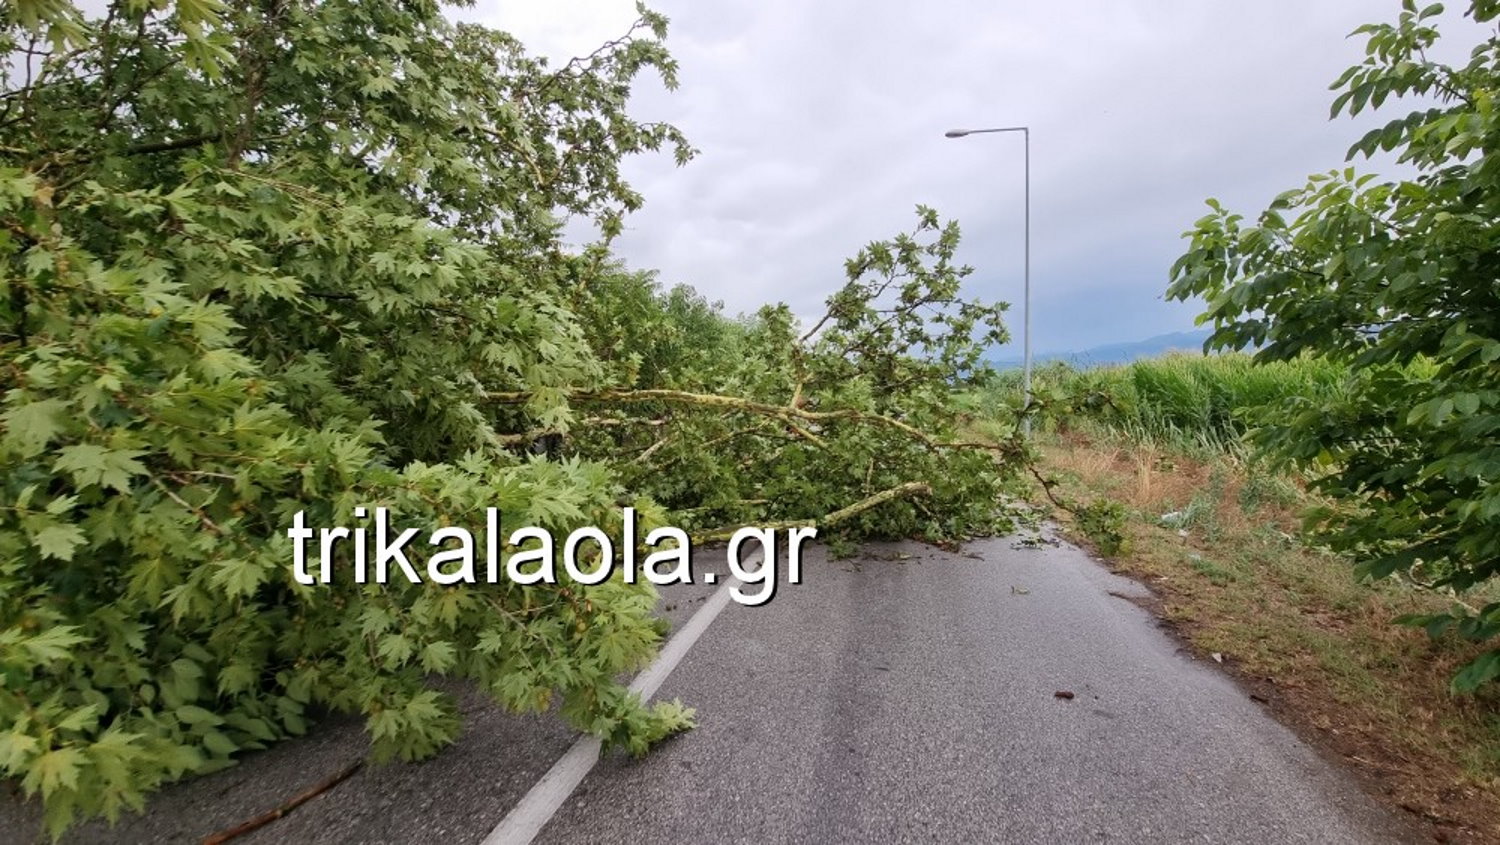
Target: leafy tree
283, 256
1399, 279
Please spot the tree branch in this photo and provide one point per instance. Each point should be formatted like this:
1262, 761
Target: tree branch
900, 491
786, 413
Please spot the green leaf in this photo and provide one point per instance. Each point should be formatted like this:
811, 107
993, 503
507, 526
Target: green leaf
395, 649
237, 578
236, 678
438, 657
82, 718
29, 427
1476, 674
54, 645
54, 770
16, 750
191, 714
219, 744
91, 464
59, 541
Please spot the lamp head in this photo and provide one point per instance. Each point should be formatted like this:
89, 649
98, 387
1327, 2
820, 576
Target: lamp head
955, 133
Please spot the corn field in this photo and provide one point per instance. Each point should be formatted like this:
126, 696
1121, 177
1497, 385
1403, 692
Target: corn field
1192, 401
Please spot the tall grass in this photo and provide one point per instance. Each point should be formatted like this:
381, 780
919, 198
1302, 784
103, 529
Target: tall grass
1196, 401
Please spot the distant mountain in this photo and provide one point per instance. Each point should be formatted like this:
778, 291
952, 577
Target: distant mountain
1119, 353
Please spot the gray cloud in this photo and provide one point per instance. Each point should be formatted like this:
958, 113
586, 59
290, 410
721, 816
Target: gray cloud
821, 124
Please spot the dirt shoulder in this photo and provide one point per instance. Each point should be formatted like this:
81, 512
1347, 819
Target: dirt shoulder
1218, 544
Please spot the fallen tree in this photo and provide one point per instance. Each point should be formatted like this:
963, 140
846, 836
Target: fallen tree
294, 257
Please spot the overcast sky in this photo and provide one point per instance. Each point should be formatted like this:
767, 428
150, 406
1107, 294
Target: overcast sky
821, 128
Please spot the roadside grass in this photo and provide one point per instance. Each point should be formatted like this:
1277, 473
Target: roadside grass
1196, 404
1218, 541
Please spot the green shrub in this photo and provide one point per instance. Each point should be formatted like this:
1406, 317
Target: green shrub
1103, 522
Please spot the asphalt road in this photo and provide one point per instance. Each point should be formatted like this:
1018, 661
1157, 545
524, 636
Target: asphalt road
906, 695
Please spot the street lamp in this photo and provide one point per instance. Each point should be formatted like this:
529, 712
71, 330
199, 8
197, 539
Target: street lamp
1026, 306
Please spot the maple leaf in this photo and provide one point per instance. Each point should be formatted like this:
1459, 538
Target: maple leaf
92, 464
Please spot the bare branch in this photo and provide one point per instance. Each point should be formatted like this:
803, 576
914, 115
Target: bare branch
900, 491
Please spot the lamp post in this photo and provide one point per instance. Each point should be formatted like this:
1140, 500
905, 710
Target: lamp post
1026, 306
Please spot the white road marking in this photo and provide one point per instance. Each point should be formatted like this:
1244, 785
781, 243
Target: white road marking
536, 808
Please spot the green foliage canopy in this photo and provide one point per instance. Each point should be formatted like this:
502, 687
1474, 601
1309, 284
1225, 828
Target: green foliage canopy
262, 259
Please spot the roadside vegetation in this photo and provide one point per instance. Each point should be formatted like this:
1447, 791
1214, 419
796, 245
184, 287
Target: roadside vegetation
1186, 401
1289, 508
1394, 279
294, 257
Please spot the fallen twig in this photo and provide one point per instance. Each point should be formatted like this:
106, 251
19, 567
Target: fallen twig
296, 801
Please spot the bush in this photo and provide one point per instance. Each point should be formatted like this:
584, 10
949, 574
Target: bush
1103, 522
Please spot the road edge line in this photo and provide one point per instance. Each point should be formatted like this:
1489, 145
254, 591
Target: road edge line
537, 807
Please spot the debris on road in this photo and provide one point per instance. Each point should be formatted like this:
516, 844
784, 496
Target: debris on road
291, 804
